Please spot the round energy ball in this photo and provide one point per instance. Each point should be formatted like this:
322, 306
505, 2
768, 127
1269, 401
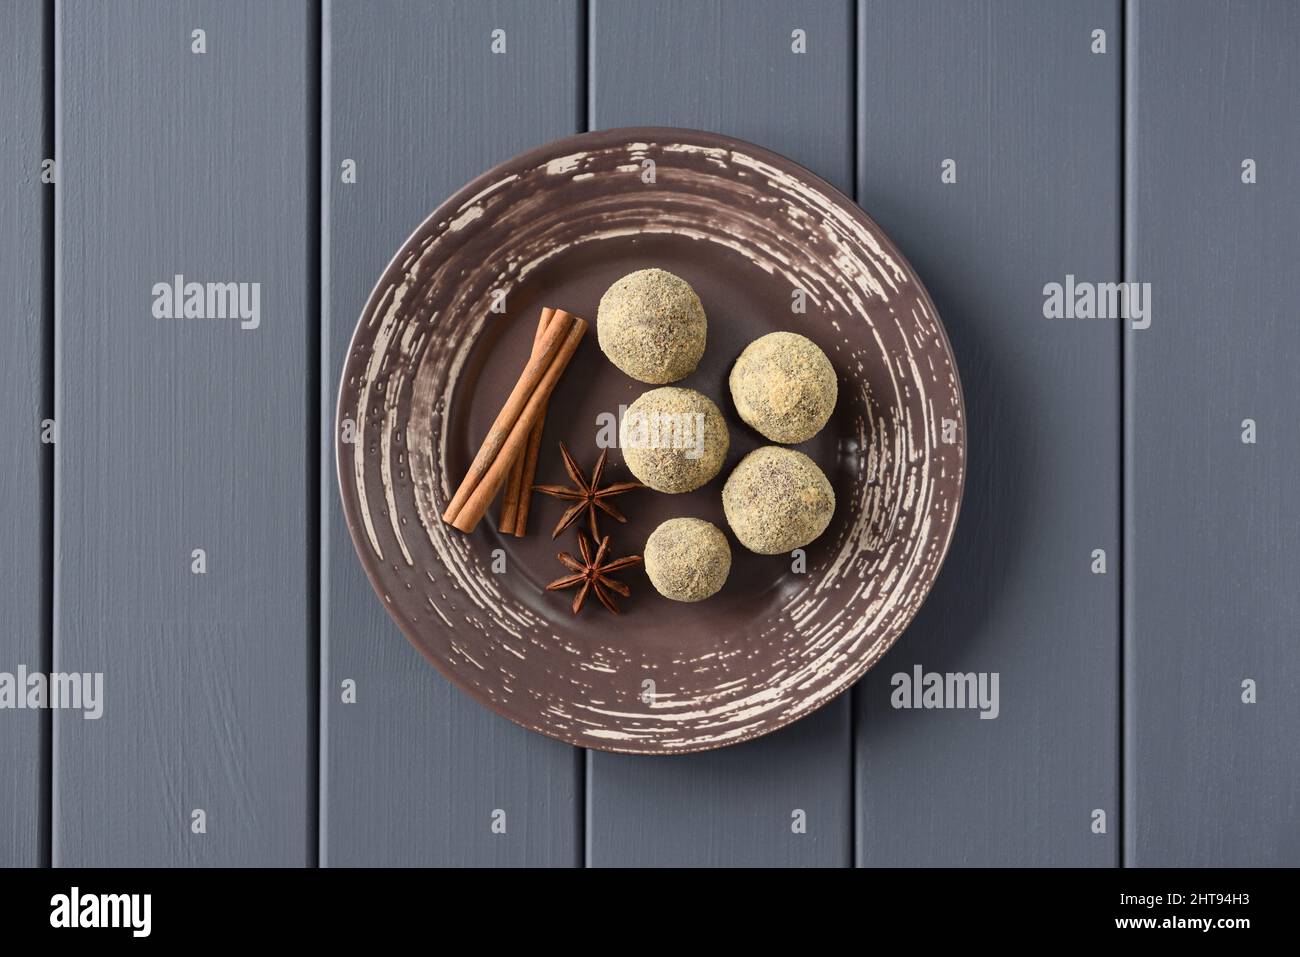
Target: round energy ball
652, 326
673, 440
784, 387
687, 559
777, 500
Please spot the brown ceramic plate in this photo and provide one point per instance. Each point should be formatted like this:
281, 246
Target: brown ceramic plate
430, 364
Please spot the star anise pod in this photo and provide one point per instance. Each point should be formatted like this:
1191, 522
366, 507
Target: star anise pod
587, 496
591, 574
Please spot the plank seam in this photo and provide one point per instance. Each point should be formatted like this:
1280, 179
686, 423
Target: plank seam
45, 819
312, 393
56, 71
1128, 55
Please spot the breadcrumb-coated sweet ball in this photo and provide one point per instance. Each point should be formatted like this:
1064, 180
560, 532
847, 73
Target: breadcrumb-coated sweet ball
784, 387
651, 324
673, 439
777, 500
687, 559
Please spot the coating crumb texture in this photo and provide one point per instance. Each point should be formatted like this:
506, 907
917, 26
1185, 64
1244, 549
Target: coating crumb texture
777, 500
687, 559
651, 325
673, 439
784, 387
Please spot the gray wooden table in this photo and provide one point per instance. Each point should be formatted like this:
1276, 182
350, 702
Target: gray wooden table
1126, 560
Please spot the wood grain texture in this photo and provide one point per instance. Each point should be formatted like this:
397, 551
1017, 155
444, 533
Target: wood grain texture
1012, 93
178, 434
414, 771
729, 67
24, 298
183, 434
1212, 529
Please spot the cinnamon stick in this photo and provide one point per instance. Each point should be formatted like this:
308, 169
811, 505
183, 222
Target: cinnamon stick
529, 472
529, 379
518, 490
508, 437
510, 496
528, 460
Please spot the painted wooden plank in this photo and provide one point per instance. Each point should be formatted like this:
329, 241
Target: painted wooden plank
416, 103
181, 526
1212, 771
732, 67
24, 472
1015, 97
